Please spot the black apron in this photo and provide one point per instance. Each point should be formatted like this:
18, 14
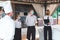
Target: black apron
46, 21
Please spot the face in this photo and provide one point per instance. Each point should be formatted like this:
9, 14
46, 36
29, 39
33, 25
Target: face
10, 14
1, 12
47, 12
31, 12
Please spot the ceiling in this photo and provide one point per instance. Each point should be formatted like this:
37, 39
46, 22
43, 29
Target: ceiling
40, 1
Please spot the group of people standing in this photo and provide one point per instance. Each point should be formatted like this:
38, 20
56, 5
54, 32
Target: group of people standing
31, 22
11, 30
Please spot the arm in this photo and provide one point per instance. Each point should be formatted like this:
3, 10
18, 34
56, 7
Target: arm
35, 21
51, 21
11, 30
26, 20
43, 20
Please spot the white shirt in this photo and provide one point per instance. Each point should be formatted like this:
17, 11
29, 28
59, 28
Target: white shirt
18, 24
50, 19
7, 28
31, 20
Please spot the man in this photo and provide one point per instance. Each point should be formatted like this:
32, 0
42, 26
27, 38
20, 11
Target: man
30, 22
7, 25
48, 21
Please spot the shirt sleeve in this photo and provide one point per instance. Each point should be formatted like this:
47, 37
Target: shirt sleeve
35, 19
51, 20
17, 24
26, 20
45, 17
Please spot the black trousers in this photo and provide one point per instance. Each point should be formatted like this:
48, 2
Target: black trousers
17, 34
31, 32
49, 30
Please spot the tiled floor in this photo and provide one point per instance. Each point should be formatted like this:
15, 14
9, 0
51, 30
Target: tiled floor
39, 33
24, 32
24, 38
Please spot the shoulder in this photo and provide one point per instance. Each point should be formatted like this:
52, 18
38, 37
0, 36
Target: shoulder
12, 21
34, 16
27, 16
45, 17
50, 17
2, 19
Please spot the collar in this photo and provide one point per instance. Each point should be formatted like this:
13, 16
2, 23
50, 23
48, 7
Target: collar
7, 16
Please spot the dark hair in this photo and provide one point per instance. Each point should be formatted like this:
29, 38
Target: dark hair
1, 8
30, 9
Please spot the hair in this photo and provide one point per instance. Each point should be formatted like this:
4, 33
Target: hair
0, 8
30, 9
47, 12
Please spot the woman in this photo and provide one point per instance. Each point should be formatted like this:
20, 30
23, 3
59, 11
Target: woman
47, 25
18, 29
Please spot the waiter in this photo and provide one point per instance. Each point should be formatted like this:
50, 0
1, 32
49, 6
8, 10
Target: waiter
48, 21
17, 29
31, 21
7, 25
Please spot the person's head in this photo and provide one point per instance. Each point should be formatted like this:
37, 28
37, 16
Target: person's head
8, 8
1, 10
47, 12
31, 11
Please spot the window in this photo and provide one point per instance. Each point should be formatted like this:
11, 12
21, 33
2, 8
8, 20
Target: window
55, 13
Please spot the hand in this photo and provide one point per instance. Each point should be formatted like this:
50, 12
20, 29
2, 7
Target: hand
26, 39
48, 23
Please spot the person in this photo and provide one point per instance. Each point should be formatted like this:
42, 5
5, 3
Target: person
17, 29
7, 24
1, 11
48, 21
30, 22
